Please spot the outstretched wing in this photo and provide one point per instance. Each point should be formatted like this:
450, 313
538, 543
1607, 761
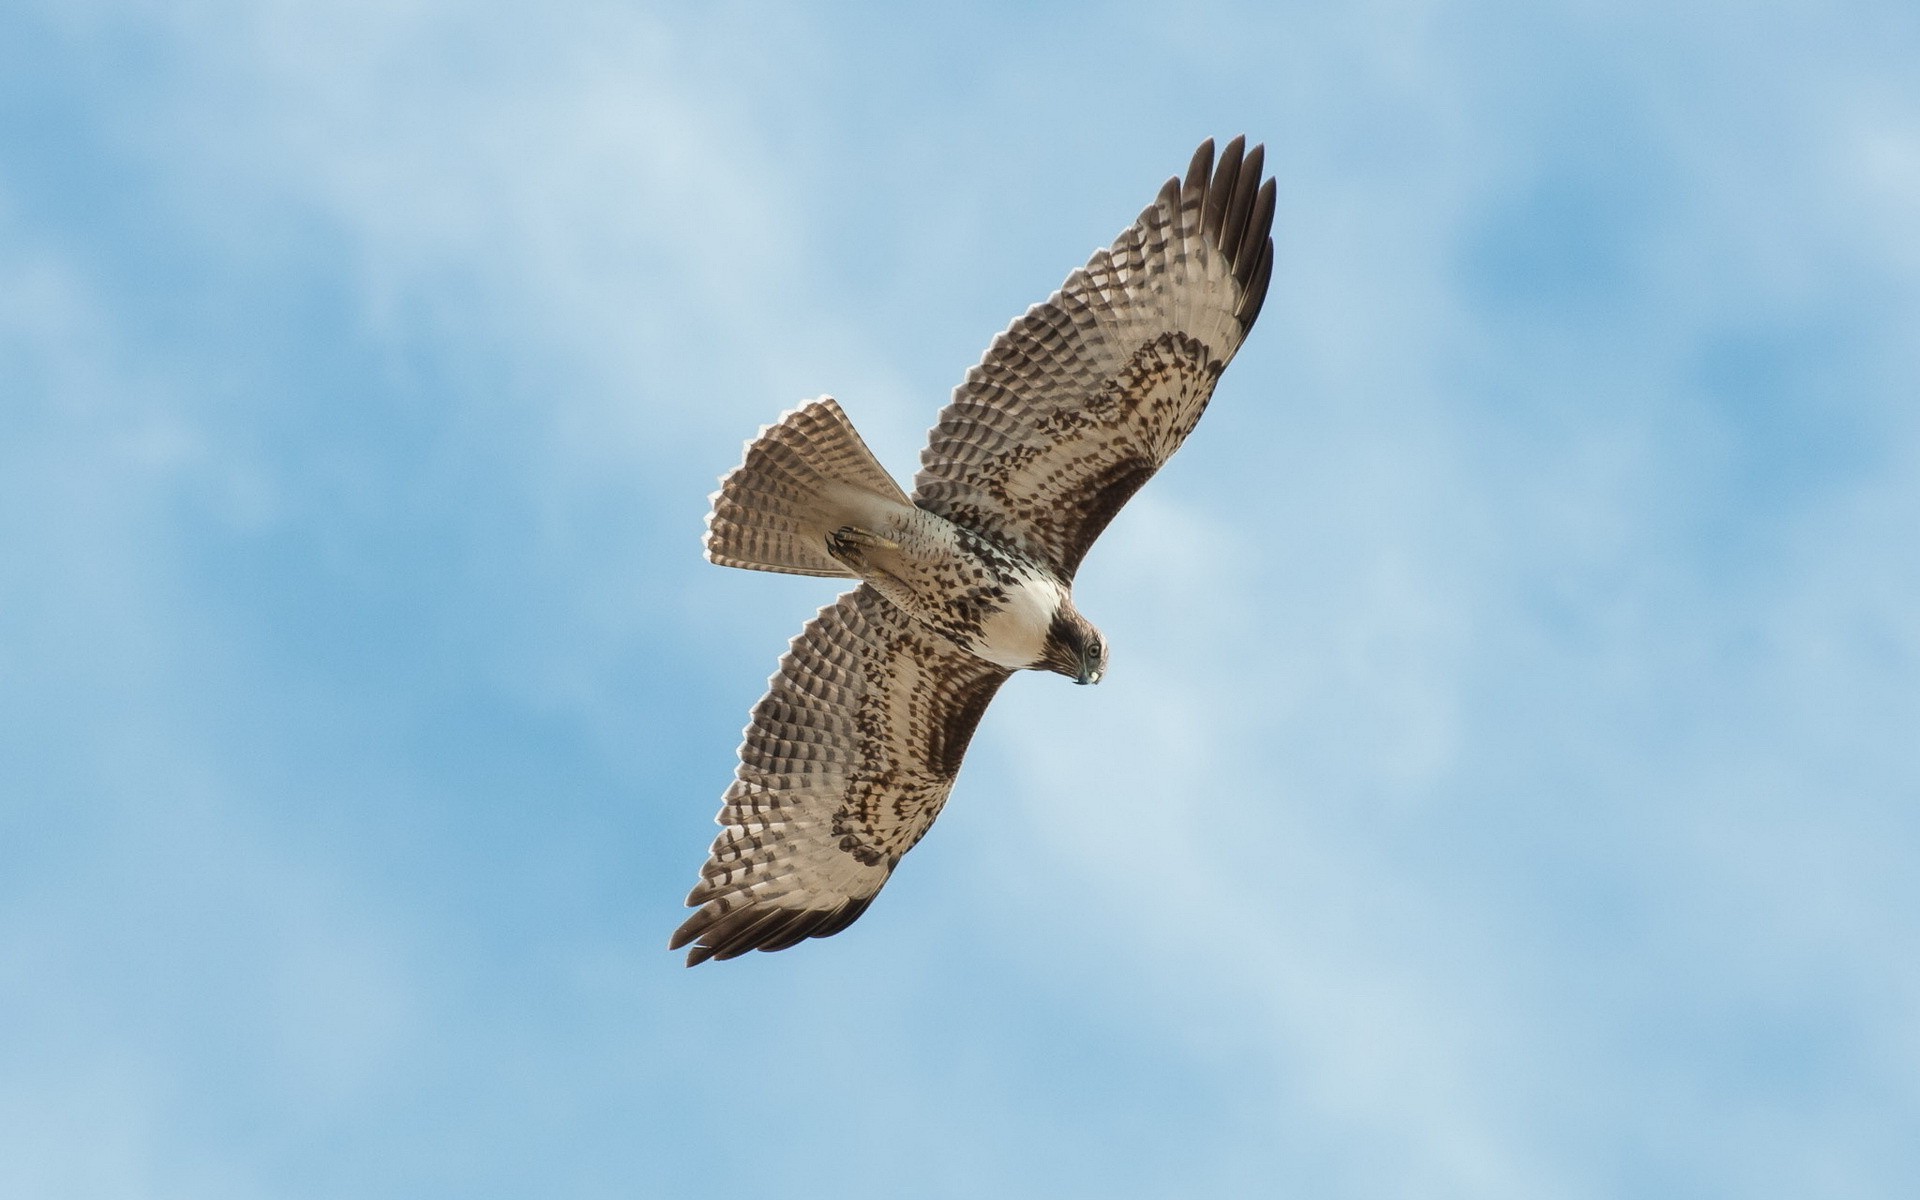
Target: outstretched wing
846, 762
1082, 399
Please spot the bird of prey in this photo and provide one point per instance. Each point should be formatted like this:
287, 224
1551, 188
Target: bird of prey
851, 753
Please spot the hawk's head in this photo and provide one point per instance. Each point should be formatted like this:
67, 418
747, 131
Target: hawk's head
1074, 647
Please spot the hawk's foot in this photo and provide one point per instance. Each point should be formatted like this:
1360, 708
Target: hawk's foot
852, 545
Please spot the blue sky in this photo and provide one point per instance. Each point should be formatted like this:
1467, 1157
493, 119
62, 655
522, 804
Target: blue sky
1507, 784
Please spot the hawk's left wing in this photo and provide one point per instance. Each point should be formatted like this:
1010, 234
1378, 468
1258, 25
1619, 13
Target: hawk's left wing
846, 762
1087, 395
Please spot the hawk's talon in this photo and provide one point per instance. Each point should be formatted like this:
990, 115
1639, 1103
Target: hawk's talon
850, 543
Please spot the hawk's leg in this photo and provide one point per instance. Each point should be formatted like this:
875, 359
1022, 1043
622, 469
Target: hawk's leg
880, 561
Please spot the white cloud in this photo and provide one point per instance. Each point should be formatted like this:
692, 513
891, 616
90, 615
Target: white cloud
1487, 621
147, 898
597, 200
1447, 788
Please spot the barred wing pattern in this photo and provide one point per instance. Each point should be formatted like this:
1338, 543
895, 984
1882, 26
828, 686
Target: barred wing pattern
1082, 399
847, 760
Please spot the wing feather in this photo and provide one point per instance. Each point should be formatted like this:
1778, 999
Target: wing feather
847, 760
1083, 398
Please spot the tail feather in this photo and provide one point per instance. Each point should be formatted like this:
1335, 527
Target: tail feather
804, 476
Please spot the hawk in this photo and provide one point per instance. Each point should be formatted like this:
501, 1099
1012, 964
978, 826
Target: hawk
850, 755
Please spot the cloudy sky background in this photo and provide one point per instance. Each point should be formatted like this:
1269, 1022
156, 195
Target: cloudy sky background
1508, 781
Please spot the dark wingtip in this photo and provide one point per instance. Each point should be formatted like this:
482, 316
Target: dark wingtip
1258, 238
1256, 294
1201, 167
1233, 225
1220, 190
1238, 218
1169, 198
729, 933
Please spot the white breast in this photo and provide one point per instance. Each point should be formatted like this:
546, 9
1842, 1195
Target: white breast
1016, 636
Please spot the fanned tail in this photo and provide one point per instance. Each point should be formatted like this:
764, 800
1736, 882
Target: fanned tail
804, 476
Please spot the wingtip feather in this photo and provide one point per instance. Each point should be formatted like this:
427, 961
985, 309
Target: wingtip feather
1220, 189
1201, 167
719, 932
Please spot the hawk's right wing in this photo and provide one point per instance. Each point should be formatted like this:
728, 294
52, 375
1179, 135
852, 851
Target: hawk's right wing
1082, 399
846, 762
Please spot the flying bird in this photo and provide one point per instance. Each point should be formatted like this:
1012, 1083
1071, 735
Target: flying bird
850, 755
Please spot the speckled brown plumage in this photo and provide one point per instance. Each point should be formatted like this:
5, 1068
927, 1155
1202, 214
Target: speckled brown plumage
855, 747
846, 762
1082, 399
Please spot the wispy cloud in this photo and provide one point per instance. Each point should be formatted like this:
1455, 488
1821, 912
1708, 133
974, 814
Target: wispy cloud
1502, 785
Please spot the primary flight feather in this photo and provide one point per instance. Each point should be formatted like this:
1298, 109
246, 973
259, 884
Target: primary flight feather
852, 752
